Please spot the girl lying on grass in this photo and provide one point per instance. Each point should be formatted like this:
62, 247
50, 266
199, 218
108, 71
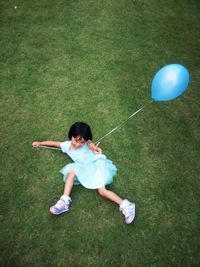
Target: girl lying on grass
90, 168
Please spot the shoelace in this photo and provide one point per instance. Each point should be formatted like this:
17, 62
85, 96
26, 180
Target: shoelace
128, 211
60, 204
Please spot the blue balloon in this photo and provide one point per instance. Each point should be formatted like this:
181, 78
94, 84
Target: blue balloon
170, 82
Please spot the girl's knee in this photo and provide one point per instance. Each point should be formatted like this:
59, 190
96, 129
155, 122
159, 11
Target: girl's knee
71, 175
102, 191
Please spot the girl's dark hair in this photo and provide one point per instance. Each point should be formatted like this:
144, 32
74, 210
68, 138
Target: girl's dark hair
80, 129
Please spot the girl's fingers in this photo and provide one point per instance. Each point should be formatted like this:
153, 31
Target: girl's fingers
35, 144
98, 150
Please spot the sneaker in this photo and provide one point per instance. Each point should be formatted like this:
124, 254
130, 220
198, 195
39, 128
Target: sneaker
128, 209
60, 207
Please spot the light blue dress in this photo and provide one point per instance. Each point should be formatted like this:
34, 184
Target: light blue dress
92, 170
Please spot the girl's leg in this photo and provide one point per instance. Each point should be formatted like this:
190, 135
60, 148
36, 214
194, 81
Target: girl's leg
63, 204
69, 183
126, 207
110, 195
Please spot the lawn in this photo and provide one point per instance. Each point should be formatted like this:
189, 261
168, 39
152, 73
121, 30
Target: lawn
93, 61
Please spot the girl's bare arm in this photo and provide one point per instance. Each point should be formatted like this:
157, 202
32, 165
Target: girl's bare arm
46, 143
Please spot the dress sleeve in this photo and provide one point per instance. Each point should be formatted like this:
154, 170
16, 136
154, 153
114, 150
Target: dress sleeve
65, 146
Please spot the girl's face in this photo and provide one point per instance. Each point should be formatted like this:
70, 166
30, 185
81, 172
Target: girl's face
77, 141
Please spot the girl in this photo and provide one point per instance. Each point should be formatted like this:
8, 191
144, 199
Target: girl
90, 168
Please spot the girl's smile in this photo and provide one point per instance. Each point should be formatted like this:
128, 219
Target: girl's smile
77, 141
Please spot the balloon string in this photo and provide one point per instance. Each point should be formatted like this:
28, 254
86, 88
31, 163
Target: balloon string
113, 130
121, 124
50, 147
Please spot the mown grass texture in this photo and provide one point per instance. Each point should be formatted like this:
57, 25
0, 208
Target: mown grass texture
65, 61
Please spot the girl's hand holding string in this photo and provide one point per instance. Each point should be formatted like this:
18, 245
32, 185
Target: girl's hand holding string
95, 148
36, 144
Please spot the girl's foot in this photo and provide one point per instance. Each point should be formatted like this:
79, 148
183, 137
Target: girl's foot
61, 206
128, 209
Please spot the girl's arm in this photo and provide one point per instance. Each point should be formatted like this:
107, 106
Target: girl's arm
94, 148
46, 143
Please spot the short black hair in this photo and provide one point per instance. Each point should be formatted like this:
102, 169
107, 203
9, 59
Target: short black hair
81, 129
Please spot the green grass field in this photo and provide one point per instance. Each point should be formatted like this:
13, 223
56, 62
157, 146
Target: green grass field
66, 61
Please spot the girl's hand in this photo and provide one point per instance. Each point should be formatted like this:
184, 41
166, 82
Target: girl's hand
36, 144
97, 150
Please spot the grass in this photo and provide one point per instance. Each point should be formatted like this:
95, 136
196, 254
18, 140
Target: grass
64, 61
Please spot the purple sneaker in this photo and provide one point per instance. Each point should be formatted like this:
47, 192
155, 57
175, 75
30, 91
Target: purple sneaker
60, 207
128, 209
